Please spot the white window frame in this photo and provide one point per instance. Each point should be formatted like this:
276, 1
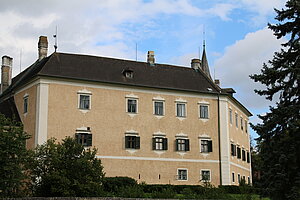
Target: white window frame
187, 174
246, 126
185, 109
209, 174
25, 98
233, 177
163, 110
239, 179
86, 93
242, 123
204, 105
137, 105
204, 139
236, 119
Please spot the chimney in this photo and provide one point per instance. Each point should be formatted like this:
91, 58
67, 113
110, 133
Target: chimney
150, 58
6, 72
196, 63
217, 82
43, 47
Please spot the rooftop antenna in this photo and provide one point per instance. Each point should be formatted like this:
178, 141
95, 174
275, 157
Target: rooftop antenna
55, 37
136, 48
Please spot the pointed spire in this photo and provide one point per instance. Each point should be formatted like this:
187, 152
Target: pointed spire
204, 62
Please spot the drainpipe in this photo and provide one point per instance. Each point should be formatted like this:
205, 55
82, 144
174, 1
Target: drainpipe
219, 138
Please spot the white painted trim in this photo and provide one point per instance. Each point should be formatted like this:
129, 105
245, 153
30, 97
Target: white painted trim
204, 136
210, 174
158, 98
131, 96
90, 101
84, 91
181, 135
157, 159
131, 114
185, 106
187, 174
244, 168
164, 111
41, 126
159, 134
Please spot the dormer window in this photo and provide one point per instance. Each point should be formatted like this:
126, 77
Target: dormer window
128, 73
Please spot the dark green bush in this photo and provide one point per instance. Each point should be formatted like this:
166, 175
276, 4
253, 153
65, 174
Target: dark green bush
114, 184
133, 191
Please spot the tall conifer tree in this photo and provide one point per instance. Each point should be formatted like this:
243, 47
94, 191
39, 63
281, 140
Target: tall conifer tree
279, 134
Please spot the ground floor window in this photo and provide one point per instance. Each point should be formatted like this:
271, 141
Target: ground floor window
132, 142
85, 139
182, 174
205, 175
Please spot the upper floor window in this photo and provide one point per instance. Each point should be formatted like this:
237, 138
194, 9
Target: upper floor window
158, 108
206, 146
159, 143
248, 157
204, 111
181, 109
205, 176
246, 126
230, 116
233, 149
85, 139
182, 174
182, 144
84, 101
236, 120
132, 105
242, 123
25, 104
132, 142
238, 152
243, 155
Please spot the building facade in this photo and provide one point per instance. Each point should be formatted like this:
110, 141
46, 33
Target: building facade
156, 123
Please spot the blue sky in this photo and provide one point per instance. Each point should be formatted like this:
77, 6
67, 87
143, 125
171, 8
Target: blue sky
237, 40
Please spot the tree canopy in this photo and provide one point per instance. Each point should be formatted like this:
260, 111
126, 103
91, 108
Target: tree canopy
279, 136
13, 158
66, 169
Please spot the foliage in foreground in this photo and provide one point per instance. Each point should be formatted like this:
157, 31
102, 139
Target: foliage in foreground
66, 169
13, 158
279, 135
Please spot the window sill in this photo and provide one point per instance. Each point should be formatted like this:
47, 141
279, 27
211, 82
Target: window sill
131, 151
204, 119
159, 152
181, 118
132, 114
25, 114
159, 116
204, 154
182, 153
84, 110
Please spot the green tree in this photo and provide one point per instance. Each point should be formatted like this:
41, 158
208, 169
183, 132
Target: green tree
279, 136
66, 169
13, 158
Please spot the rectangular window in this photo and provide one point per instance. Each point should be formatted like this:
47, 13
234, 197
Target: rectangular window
182, 144
181, 110
242, 123
249, 182
248, 157
204, 111
238, 152
181, 174
159, 143
205, 175
233, 178
230, 116
243, 155
85, 139
233, 149
236, 120
159, 108
132, 142
84, 102
206, 146
246, 126
25, 104
239, 178
132, 105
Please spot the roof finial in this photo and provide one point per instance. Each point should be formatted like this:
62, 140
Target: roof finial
203, 36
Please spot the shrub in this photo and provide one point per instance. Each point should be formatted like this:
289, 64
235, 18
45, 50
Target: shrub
114, 184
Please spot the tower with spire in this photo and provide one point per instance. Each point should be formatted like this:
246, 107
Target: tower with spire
204, 62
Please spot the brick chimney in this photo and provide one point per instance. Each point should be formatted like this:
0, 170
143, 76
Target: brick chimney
196, 63
150, 58
43, 47
6, 72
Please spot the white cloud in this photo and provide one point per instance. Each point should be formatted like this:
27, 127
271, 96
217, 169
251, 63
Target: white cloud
243, 58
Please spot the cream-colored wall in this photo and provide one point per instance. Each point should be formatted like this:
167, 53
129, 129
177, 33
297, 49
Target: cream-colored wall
28, 119
241, 138
109, 121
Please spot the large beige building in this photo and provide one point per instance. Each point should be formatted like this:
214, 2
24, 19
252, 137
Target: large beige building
153, 122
